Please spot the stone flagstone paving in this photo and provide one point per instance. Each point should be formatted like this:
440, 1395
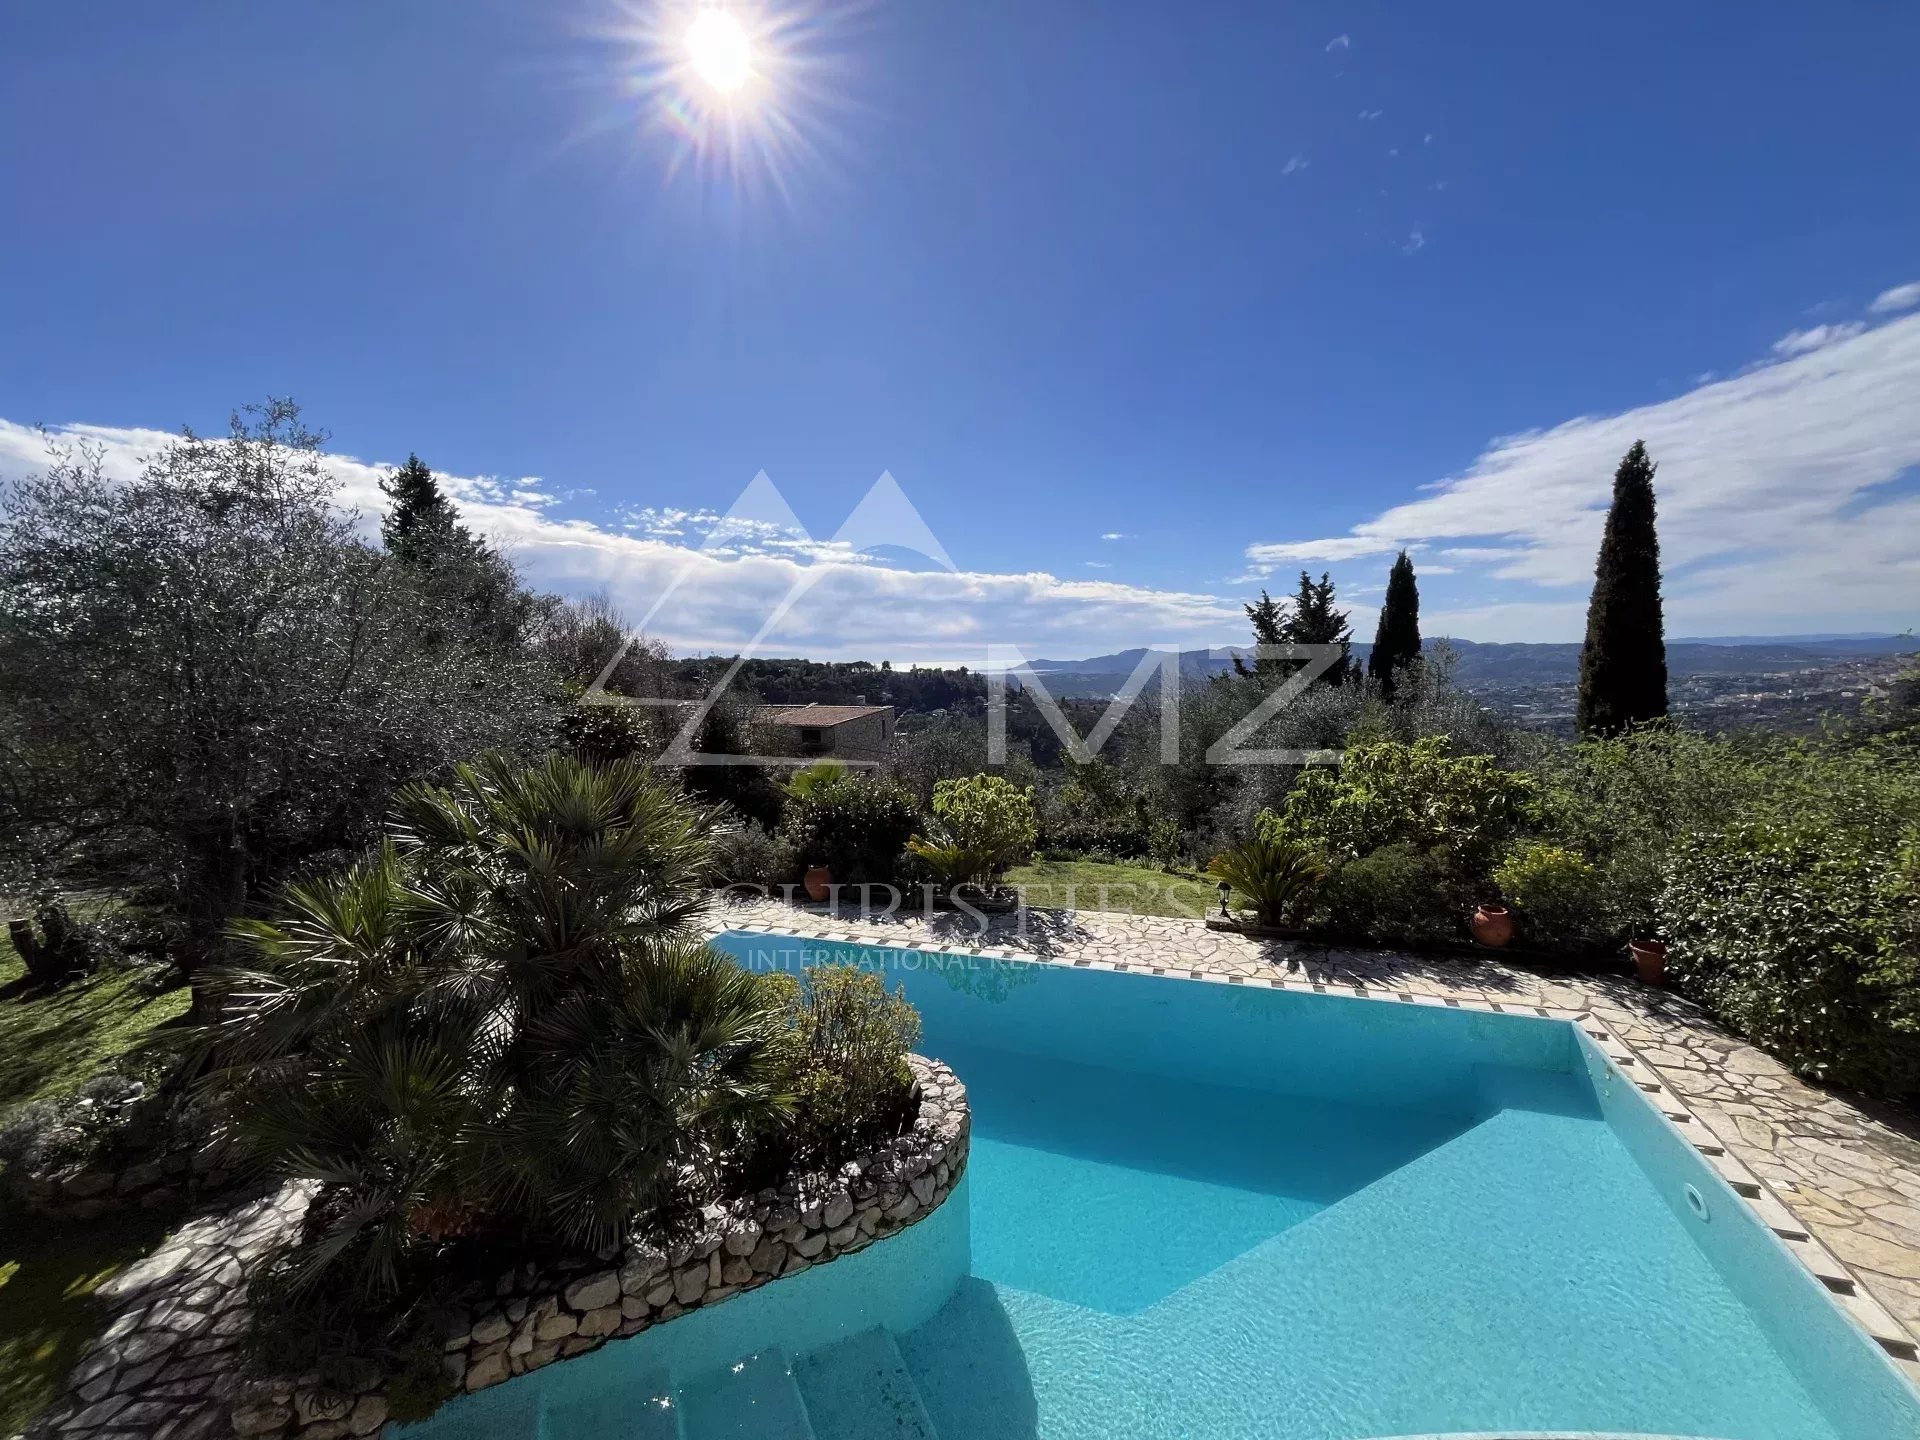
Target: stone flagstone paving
1845, 1177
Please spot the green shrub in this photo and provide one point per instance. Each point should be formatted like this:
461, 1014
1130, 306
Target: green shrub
1419, 795
1554, 892
983, 824
1804, 939
753, 855
1276, 878
857, 827
604, 730
847, 1046
987, 812
502, 1024
1096, 810
1164, 843
1623, 802
1397, 894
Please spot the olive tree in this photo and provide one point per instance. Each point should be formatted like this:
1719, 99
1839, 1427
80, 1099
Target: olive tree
208, 679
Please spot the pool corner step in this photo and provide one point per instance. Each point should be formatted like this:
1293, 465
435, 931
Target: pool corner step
755, 1399
860, 1389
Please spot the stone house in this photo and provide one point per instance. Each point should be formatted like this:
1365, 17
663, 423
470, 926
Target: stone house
835, 732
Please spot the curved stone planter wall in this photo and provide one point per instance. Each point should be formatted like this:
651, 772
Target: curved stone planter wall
539, 1317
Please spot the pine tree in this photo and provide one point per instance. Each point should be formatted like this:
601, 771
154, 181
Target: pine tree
1269, 628
1312, 620
1315, 621
1623, 666
1396, 644
421, 521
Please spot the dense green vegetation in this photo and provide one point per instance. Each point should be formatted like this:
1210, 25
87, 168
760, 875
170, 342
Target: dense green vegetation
916, 690
502, 1032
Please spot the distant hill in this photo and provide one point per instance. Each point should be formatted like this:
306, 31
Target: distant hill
1484, 666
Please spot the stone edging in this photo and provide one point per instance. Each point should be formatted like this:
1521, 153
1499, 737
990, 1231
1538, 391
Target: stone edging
537, 1317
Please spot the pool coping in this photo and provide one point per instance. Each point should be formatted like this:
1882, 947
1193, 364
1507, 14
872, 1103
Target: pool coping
1843, 1288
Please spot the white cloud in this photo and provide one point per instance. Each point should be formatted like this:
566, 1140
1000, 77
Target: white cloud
1115, 535
1340, 547
717, 595
1416, 241
1371, 114
1785, 494
1799, 342
1294, 165
1339, 42
1900, 297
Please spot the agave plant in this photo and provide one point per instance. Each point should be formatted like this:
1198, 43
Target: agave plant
502, 1021
1277, 878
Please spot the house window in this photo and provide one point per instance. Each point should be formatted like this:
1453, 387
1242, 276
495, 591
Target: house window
813, 740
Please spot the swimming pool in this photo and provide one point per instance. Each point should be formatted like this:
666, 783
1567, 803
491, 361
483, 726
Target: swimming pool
1229, 1211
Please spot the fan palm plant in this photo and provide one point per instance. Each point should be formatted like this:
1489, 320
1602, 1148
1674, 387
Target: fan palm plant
502, 1021
1277, 878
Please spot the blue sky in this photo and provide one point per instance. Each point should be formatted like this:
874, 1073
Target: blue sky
1245, 286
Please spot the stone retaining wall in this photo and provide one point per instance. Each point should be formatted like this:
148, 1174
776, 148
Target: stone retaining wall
537, 1317
149, 1184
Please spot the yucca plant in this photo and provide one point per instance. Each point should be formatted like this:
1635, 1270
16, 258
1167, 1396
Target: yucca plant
501, 1022
1276, 878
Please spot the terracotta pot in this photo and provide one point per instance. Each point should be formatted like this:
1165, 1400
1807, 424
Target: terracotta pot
1493, 926
1650, 960
819, 882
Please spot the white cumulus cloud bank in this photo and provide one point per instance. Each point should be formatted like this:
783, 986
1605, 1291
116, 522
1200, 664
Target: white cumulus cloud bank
1787, 501
703, 581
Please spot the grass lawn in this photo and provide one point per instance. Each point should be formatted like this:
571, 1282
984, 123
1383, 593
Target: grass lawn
48, 1273
52, 1040
1132, 889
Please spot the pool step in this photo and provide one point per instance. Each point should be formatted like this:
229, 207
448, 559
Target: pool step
859, 1389
755, 1399
647, 1410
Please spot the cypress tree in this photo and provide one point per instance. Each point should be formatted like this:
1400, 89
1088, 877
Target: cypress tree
421, 520
1623, 666
1396, 644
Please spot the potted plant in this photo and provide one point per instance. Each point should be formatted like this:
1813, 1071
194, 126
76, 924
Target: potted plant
818, 882
1649, 960
1492, 925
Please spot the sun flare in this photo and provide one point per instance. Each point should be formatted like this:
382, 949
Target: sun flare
718, 50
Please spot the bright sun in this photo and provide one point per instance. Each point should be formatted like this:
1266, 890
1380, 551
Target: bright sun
718, 50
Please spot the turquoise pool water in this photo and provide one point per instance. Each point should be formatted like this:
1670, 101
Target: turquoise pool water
1231, 1212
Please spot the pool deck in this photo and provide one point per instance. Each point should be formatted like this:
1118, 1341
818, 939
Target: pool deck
1836, 1176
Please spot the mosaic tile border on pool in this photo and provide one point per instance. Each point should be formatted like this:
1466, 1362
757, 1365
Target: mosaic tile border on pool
1866, 1313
